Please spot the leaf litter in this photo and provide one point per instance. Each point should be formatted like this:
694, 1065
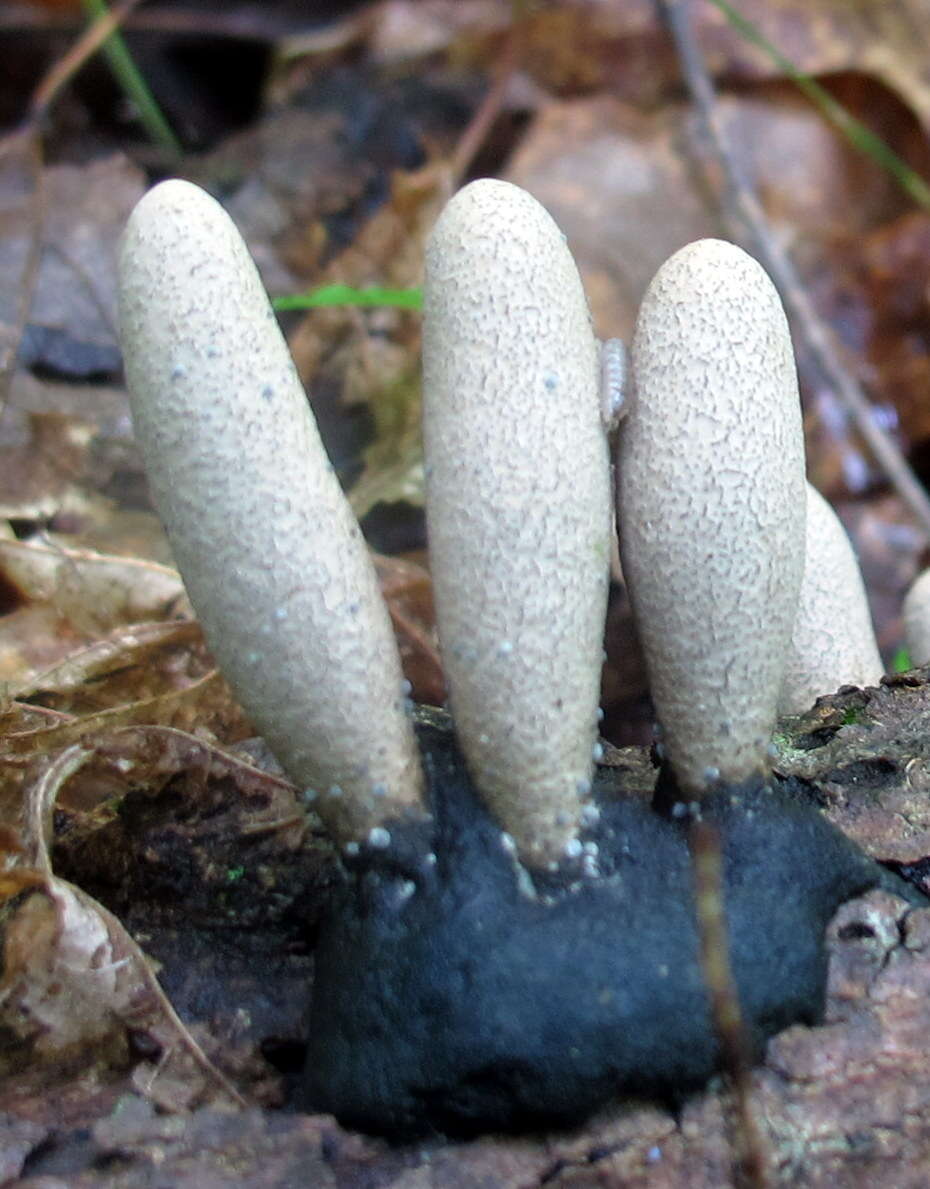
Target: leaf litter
112, 711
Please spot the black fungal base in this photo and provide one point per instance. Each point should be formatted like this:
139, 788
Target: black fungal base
447, 998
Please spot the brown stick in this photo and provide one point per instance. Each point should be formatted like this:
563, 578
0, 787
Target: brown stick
479, 126
819, 342
70, 63
753, 1159
31, 144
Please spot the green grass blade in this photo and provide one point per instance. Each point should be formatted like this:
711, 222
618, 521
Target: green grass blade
134, 85
346, 295
858, 135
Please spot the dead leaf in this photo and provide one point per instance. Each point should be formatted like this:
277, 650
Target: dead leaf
621, 188
73, 981
38, 479
127, 664
86, 210
92, 590
151, 755
408, 591
205, 704
33, 638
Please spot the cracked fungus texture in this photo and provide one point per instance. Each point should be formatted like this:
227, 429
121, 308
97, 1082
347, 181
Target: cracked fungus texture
712, 506
269, 551
833, 642
519, 506
917, 619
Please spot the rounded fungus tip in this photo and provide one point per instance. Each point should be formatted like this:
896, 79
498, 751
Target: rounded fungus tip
833, 641
265, 541
518, 506
711, 507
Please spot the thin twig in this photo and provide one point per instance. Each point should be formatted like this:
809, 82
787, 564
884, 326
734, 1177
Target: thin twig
754, 1162
83, 49
819, 343
479, 126
31, 143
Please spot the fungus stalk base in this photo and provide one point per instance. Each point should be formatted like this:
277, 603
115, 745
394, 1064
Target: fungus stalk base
454, 994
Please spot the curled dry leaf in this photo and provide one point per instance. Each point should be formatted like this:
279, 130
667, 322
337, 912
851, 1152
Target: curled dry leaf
66, 985
153, 754
133, 657
145, 673
92, 589
33, 638
74, 984
205, 705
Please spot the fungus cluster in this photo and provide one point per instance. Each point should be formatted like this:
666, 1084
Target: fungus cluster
512, 941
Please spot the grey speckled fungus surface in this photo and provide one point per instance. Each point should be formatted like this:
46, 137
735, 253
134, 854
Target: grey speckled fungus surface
269, 550
917, 620
711, 507
833, 642
518, 507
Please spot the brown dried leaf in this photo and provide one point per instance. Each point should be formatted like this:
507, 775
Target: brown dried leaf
150, 755
86, 207
587, 45
128, 664
581, 45
65, 986
885, 40
205, 705
33, 638
37, 478
877, 295
92, 590
73, 981
408, 591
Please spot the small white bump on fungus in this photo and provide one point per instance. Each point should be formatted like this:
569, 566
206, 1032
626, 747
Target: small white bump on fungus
267, 545
917, 620
711, 507
833, 641
518, 507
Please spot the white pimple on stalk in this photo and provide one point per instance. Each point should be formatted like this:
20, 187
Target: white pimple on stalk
590, 816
